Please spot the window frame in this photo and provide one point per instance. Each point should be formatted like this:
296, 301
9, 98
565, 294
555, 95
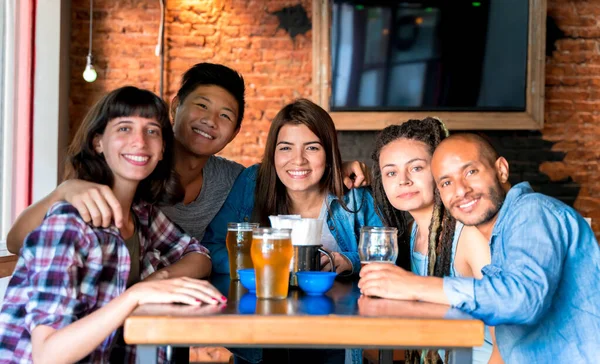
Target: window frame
530, 119
7, 48
16, 96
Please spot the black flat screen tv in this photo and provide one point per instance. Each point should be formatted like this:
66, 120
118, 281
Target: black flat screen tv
444, 55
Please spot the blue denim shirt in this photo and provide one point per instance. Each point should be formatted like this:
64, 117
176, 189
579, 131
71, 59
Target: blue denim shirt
542, 289
344, 225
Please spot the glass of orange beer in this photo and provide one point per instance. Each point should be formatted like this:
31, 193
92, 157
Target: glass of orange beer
378, 244
271, 255
239, 241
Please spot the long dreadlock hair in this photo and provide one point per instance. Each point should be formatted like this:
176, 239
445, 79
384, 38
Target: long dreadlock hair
430, 131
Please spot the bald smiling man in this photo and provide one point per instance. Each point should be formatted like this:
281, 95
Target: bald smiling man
542, 288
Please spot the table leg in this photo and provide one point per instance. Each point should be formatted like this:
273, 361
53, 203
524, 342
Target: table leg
147, 354
462, 355
386, 356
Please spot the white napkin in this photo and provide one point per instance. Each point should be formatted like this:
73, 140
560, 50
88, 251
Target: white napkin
304, 231
283, 221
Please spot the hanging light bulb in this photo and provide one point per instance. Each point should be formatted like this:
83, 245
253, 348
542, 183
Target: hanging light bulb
90, 74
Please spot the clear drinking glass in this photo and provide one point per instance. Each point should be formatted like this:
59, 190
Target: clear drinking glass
271, 255
378, 244
239, 241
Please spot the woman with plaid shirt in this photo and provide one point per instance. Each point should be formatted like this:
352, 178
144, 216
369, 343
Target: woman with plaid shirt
74, 284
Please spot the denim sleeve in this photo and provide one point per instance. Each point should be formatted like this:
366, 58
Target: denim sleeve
533, 242
216, 231
214, 239
371, 217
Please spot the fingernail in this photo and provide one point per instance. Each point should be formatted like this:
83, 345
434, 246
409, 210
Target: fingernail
223, 298
198, 300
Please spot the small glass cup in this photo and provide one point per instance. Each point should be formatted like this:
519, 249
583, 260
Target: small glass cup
378, 244
271, 255
239, 242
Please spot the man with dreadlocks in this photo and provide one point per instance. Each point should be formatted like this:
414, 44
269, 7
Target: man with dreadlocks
541, 290
435, 244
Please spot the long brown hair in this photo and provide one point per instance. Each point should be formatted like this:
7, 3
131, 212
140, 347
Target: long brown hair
430, 131
83, 162
271, 197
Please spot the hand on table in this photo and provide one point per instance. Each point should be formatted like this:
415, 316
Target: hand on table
176, 290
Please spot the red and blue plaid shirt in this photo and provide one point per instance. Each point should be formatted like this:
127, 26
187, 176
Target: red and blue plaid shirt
67, 269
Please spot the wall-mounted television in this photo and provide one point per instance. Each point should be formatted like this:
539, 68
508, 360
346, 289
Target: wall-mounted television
477, 59
440, 55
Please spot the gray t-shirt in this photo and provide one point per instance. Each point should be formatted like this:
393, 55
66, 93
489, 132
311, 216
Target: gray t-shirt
219, 176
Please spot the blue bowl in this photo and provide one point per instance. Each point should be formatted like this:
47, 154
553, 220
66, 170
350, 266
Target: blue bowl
315, 283
247, 304
248, 279
316, 305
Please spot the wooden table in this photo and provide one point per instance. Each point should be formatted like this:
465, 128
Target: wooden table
339, 319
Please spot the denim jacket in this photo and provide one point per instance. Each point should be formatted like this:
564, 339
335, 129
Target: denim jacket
542, 288
344, 225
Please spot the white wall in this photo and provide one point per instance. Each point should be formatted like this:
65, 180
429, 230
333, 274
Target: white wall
51, 94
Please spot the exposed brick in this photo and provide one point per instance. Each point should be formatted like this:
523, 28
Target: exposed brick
178, 29
587, 8
185, 41
587, 105
231, 31
574, 45
559, 104
577, 57
556, 171
195, 53
577, 21
203, 6
201, 29
187, 17
243, 42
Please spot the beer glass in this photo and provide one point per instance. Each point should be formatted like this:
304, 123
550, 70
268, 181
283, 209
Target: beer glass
271, 255
239, 241
378, 244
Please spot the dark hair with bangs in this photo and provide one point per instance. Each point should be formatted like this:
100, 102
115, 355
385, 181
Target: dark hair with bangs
83, 162
299, 112
204, 74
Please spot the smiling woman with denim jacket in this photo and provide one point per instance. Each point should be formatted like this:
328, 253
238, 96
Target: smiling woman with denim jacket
344, 225
301, 174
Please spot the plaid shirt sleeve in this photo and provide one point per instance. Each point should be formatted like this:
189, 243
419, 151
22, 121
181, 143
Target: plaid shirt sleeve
52, 267
169, 240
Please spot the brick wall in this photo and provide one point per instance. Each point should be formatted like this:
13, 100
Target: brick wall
561, 160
